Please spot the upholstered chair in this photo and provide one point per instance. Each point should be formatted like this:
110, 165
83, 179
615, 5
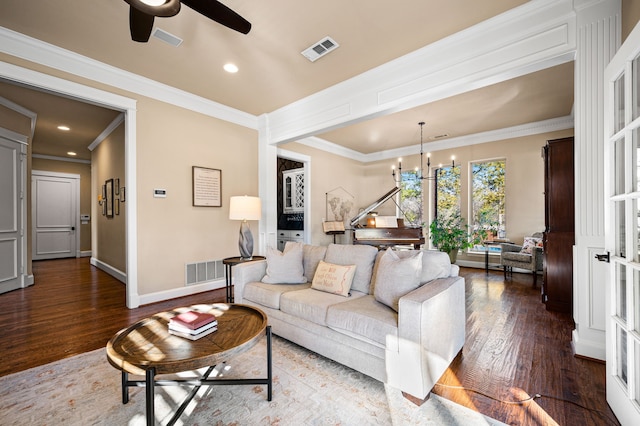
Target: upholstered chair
528, 256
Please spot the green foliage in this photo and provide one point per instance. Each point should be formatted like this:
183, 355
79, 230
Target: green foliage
411, 198
452, 233
488, 195
448, 191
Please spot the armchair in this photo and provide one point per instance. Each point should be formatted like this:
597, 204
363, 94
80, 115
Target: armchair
528, 256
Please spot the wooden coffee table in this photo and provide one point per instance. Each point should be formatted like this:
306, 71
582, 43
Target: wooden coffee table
146, 349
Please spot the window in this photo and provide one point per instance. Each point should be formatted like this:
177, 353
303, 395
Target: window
447, 192
487, 197
411, 199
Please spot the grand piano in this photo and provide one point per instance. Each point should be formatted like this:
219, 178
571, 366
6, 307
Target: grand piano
385, 237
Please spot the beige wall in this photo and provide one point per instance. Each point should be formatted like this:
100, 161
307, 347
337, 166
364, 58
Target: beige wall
171, 232
367, 182
14, 121
107, 162
630, 16
328, 172
170, 140
84, 170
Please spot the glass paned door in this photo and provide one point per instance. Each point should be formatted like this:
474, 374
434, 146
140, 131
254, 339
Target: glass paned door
622, 229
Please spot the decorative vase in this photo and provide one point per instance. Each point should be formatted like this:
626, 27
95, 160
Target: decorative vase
453, 256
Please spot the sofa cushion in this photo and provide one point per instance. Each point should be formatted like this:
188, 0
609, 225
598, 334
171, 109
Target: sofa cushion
396, 277
312, 255
334, 279
517, 256
285, 267
365, 317
311, 304
435, 264
362, 256
269, 294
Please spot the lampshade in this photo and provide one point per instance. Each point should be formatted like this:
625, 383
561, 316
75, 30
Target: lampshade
244, 207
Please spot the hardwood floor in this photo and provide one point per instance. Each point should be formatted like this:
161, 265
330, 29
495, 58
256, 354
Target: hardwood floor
515, 349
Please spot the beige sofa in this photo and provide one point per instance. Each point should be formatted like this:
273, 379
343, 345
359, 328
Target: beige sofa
408, 349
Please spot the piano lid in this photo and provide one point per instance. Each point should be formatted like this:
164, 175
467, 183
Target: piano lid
379, 201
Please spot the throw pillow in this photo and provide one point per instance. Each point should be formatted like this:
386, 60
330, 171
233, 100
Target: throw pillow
285, 267
336, 279
362, 256
530, 243
396, 277
311, 256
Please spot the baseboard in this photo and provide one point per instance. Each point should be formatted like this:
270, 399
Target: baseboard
116, 273
85, 253
587, 349
173, 293
28, 280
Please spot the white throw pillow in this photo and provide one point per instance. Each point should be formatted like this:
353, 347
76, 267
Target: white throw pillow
530, 243
336, 279
396, 277
285, 267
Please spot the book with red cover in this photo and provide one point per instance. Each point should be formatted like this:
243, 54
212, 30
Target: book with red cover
193, 319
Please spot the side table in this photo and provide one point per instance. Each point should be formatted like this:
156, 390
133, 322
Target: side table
487, 247
229, 263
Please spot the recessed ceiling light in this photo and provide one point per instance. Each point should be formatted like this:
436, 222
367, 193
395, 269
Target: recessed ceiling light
231, 68
71, 153
64, 128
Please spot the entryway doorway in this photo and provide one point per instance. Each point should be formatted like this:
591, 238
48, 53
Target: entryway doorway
55, 211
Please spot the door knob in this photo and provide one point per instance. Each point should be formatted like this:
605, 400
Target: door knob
603, 257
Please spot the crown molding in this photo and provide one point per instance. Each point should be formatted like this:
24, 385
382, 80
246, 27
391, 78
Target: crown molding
56, 158
535, 36
536, 128
32, 116
37, 51
107, 131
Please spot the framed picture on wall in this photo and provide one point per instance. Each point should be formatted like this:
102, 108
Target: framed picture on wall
109, 198
103, 200
207, 187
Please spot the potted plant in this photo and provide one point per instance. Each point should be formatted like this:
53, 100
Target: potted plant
452, 233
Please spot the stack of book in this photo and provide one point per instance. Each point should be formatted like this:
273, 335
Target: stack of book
193, 325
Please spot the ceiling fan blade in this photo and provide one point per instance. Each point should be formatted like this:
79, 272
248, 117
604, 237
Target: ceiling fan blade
220, 13
140, 25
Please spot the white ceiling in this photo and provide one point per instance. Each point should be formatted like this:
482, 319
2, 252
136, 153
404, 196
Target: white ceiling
273, 73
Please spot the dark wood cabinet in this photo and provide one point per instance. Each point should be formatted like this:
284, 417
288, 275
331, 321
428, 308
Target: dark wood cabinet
559, 235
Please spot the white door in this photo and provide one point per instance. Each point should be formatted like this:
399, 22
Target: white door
622, 229
55, 212
11, 211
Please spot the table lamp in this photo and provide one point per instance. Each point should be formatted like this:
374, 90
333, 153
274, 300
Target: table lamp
245, 208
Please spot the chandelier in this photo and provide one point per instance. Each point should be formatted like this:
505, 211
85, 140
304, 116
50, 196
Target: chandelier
419, 173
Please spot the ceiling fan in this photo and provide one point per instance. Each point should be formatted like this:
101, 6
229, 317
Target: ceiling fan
143, 12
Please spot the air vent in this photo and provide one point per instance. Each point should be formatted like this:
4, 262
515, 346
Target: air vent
444, 135
196, 273
319, 49
166, 37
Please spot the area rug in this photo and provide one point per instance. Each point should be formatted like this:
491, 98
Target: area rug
308, 389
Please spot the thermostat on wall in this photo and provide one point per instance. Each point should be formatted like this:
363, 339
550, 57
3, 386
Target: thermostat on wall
160, 193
